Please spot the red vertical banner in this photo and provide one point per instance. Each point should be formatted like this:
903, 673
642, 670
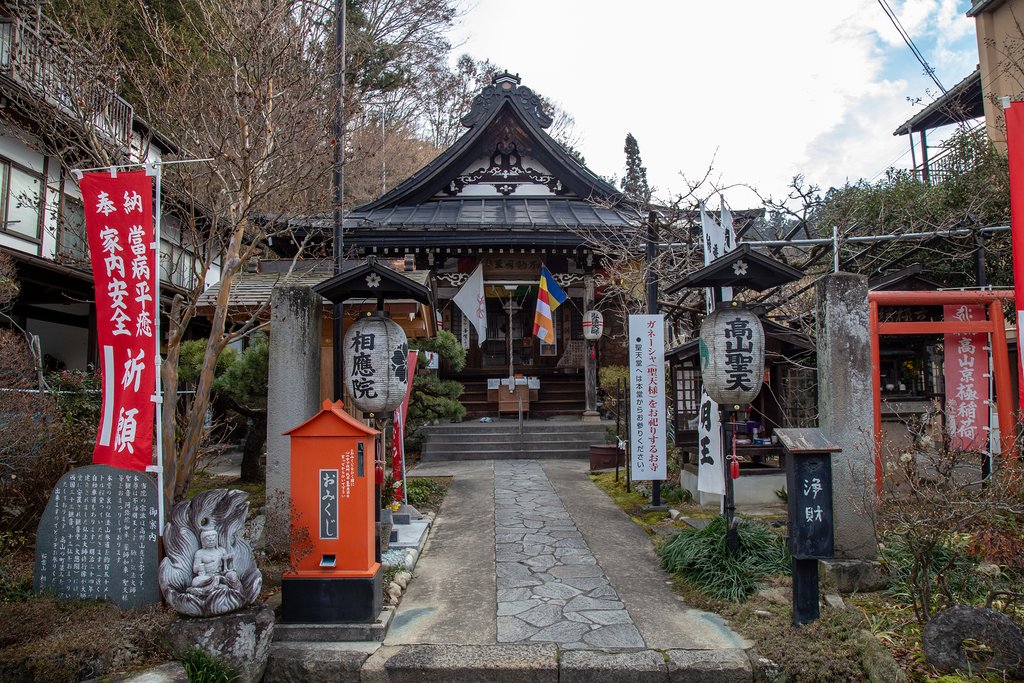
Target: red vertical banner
1015, 149
398, 434
119, 223
965, 375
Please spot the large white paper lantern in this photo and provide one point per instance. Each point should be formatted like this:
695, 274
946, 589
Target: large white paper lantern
732, 355
376, 365
593, 325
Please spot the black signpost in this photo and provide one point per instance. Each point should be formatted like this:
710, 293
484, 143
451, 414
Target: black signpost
809, 485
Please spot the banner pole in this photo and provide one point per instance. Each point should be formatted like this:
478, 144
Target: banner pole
158, 393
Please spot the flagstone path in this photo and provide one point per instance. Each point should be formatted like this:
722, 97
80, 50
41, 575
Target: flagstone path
550, 587
528, 553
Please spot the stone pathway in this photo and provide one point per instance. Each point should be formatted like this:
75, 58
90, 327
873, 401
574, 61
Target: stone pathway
550, 588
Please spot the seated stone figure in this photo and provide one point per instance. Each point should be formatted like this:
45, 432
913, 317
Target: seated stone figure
212, 565
209, 568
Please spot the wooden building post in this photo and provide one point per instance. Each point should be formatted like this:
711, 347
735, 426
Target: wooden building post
590, 357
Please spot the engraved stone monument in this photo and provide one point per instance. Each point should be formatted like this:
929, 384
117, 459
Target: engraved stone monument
98, 537
207, 570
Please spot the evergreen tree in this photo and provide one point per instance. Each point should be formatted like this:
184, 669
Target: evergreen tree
634, 184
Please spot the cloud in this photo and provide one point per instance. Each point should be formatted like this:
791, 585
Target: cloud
767, 90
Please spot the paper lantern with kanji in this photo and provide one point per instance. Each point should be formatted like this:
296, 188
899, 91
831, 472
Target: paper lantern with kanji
593, 325
732, 355
376, 370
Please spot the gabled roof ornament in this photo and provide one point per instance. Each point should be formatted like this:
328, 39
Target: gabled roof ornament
506, 86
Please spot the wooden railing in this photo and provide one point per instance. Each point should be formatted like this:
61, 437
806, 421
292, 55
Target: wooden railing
37, 55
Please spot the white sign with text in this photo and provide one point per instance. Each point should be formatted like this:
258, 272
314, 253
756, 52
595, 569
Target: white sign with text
647, 396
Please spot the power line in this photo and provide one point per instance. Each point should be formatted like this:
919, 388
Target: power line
910, 43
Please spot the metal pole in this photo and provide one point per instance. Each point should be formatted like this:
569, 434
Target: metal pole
732, 538
618, 412
338, 180
158, 389
652, 309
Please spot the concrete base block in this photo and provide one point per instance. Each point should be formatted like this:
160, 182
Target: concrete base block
588, 666
477, 663
709, 666
302, 662
852, 576
334, 633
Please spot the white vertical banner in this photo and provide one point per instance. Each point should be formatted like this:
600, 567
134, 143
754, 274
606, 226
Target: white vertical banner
710, 472
647, 396
472, 302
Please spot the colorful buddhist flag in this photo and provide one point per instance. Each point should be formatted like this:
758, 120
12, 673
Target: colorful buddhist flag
549, 297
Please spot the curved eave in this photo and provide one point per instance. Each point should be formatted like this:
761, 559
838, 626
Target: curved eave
426, 183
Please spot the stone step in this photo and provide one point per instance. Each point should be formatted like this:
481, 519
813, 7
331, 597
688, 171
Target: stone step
527, 444
476, 429
505, 454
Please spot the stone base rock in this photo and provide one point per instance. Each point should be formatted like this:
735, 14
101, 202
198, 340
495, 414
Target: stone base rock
852, 576
171, 672
240, 639
944, 634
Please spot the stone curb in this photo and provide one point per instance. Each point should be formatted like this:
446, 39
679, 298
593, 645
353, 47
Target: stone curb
301, 662
542, 663
464, 663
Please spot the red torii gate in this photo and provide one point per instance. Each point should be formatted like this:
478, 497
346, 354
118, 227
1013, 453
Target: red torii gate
994, 326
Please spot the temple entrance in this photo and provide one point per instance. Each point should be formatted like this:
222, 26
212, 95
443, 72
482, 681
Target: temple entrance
510, 311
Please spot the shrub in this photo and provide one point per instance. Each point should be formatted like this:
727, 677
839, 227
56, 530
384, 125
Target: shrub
609, 378
202, 667
38, 443
701, 557
426, 494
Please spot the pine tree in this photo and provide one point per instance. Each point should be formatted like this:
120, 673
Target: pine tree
634, 184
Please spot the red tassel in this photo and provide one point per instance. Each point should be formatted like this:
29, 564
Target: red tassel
734, 469
379, 471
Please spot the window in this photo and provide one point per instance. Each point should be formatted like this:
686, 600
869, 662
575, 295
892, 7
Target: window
799, 396
22, 201
73, 241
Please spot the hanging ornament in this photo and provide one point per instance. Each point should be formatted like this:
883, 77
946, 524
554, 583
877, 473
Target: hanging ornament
376, 368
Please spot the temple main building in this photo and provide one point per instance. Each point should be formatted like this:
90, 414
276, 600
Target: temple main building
508, 196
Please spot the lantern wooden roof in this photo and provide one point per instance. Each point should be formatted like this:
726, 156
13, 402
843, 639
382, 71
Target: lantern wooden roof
372, 280
326, 423
741, 267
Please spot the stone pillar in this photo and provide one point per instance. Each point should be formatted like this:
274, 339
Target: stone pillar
293, 392
845, 408
589, 363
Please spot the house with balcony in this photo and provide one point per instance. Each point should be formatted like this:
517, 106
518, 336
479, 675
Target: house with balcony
56, 111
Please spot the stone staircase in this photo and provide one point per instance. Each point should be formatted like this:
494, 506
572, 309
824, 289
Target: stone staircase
558, 395
502, 440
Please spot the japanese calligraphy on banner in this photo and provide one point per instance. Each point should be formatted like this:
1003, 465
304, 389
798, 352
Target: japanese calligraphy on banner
710, 473
119, 223
647, 395
965, 367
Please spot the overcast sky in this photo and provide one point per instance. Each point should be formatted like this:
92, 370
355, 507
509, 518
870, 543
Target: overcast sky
764, 90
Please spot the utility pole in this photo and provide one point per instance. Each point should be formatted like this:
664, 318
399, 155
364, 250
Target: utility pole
338, 182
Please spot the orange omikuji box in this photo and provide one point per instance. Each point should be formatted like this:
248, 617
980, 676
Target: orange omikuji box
334, 575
